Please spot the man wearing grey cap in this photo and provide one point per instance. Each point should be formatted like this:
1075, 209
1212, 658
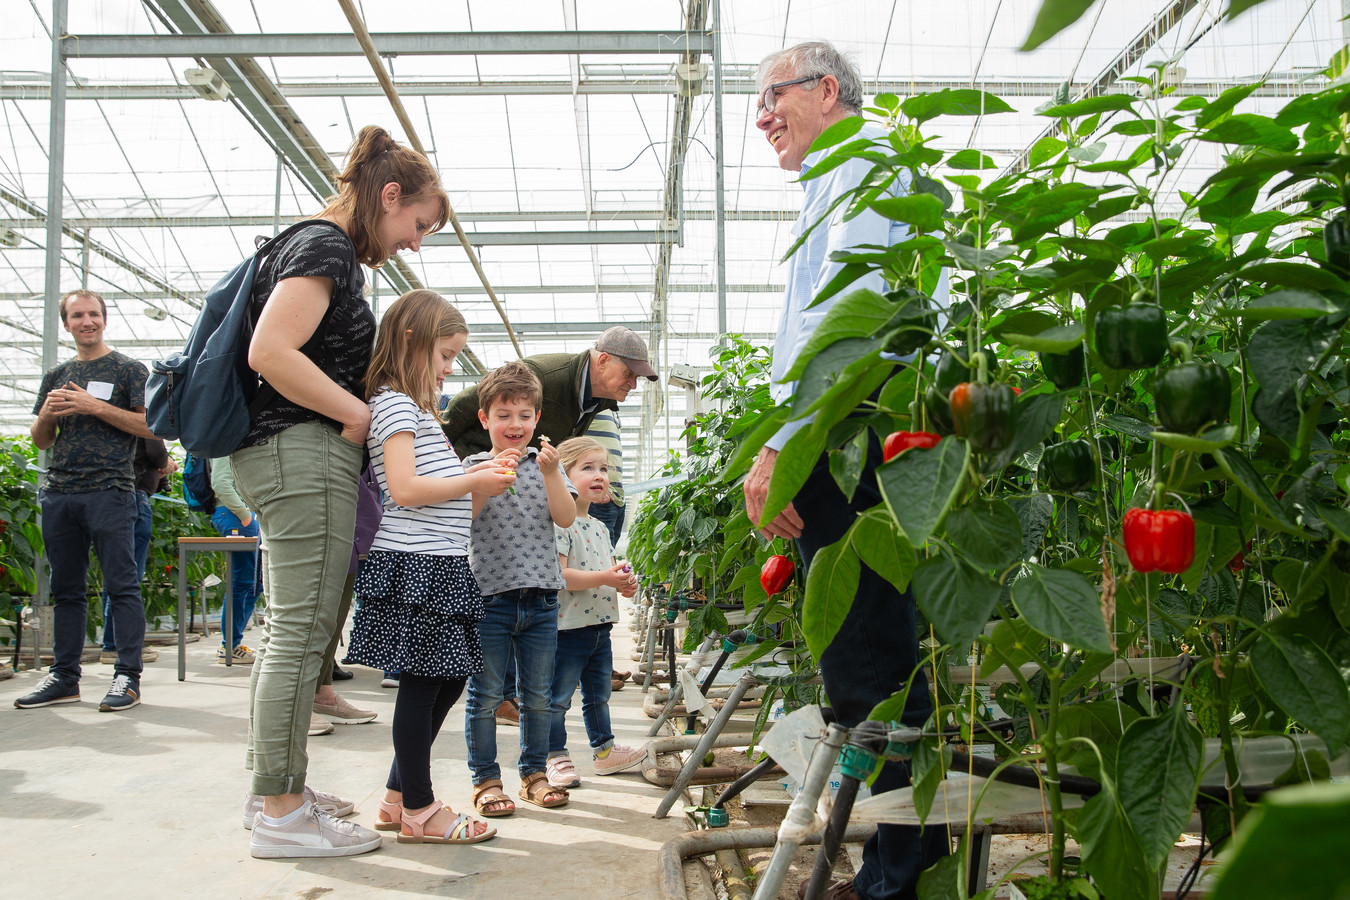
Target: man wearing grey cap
576, 387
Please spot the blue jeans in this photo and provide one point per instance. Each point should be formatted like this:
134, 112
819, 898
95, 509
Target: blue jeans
71, 524
584, 657
145, 519
612, 516
871, 657
525, 621
244, 572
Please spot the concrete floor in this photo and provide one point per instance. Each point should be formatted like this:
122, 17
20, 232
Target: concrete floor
146, 804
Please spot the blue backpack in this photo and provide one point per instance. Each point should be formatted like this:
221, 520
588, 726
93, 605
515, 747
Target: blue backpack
197, 490
206, 396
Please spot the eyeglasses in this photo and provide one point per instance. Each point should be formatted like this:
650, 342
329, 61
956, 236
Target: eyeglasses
769, 99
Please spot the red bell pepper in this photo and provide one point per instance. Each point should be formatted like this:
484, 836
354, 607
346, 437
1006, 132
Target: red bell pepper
776, 574
900, 441
1159, 540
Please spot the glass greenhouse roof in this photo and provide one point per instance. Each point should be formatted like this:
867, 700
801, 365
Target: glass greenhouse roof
557, 163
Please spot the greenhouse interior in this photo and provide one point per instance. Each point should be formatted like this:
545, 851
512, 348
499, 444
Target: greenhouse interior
921, 434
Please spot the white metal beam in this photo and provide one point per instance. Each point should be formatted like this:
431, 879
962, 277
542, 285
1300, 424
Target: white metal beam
444, 43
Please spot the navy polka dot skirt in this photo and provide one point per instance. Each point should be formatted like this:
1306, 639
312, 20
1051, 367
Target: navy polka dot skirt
417, 613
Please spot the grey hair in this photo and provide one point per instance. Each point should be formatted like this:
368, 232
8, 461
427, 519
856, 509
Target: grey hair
817, 59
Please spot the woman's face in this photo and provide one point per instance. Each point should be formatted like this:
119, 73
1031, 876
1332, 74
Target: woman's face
405, 224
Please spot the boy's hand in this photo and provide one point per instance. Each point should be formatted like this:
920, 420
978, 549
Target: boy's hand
548, 458
620, 577
508, 458
495, 479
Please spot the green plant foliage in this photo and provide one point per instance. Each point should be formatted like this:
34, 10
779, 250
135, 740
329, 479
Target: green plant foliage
1246, 282
1288, 846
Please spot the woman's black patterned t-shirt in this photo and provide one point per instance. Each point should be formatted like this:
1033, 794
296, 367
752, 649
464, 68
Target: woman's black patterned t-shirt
319, 251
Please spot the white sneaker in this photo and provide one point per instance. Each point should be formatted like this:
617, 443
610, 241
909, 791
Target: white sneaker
329, 803
313, 834
619, 759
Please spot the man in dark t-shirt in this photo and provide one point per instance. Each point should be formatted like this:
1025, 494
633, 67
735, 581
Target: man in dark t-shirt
90, 411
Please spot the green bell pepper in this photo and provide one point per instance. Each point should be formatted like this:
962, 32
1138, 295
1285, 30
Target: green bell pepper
1191, 395
1133, 336
1065, 370
1068, 466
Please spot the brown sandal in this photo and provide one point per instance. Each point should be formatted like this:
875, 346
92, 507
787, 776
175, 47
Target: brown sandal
491, 801
536, 789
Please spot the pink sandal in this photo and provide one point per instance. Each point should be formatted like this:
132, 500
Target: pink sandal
460, 831
390, 816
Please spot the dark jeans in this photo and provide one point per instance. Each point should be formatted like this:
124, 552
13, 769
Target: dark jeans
71, 525
244, 571
419, 712
612, 516
585, 658
871, 657
525, 621
145, 519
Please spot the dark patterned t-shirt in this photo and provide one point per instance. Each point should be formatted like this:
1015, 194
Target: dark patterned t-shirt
89, 454
324, 252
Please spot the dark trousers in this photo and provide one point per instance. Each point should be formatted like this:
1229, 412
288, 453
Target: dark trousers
419, 712
612, 516
871, 657
71, 525
145, 529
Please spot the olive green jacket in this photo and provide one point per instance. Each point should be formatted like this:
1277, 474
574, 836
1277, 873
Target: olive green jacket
561, 374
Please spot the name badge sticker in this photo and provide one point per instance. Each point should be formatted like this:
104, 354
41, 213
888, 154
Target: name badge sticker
100, 389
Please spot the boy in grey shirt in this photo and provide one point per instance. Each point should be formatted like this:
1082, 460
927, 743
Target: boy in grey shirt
512, 555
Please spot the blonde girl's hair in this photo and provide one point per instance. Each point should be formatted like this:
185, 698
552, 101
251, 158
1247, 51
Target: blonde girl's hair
402, 361
573, 449
374, 160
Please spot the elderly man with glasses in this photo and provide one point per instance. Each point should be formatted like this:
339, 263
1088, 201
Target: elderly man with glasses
806, 89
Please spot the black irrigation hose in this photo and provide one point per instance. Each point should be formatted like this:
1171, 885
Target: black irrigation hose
1022, 776
1070, 784
734, 789
737, 638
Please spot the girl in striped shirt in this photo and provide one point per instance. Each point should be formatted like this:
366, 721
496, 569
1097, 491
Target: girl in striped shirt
419, 603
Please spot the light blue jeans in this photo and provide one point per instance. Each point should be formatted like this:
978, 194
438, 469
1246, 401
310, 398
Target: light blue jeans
585, 658
243, 572
525, 621
302, 485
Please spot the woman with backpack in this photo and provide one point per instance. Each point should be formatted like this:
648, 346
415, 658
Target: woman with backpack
298, 468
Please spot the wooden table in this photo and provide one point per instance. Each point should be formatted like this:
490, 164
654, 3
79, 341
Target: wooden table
226, 545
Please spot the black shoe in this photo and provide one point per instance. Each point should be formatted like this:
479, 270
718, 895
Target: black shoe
50, 691
124, 694
341, 674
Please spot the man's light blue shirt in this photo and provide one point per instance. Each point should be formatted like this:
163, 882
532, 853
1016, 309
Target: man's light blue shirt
810, 268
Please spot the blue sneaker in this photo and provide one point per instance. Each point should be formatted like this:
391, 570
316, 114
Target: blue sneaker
50, 691
124, 694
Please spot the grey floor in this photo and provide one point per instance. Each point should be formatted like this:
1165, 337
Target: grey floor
146, 804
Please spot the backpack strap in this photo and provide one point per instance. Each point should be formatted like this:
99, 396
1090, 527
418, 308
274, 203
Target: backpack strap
314, 346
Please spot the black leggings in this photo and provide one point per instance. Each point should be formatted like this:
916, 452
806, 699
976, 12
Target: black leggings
419, 711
